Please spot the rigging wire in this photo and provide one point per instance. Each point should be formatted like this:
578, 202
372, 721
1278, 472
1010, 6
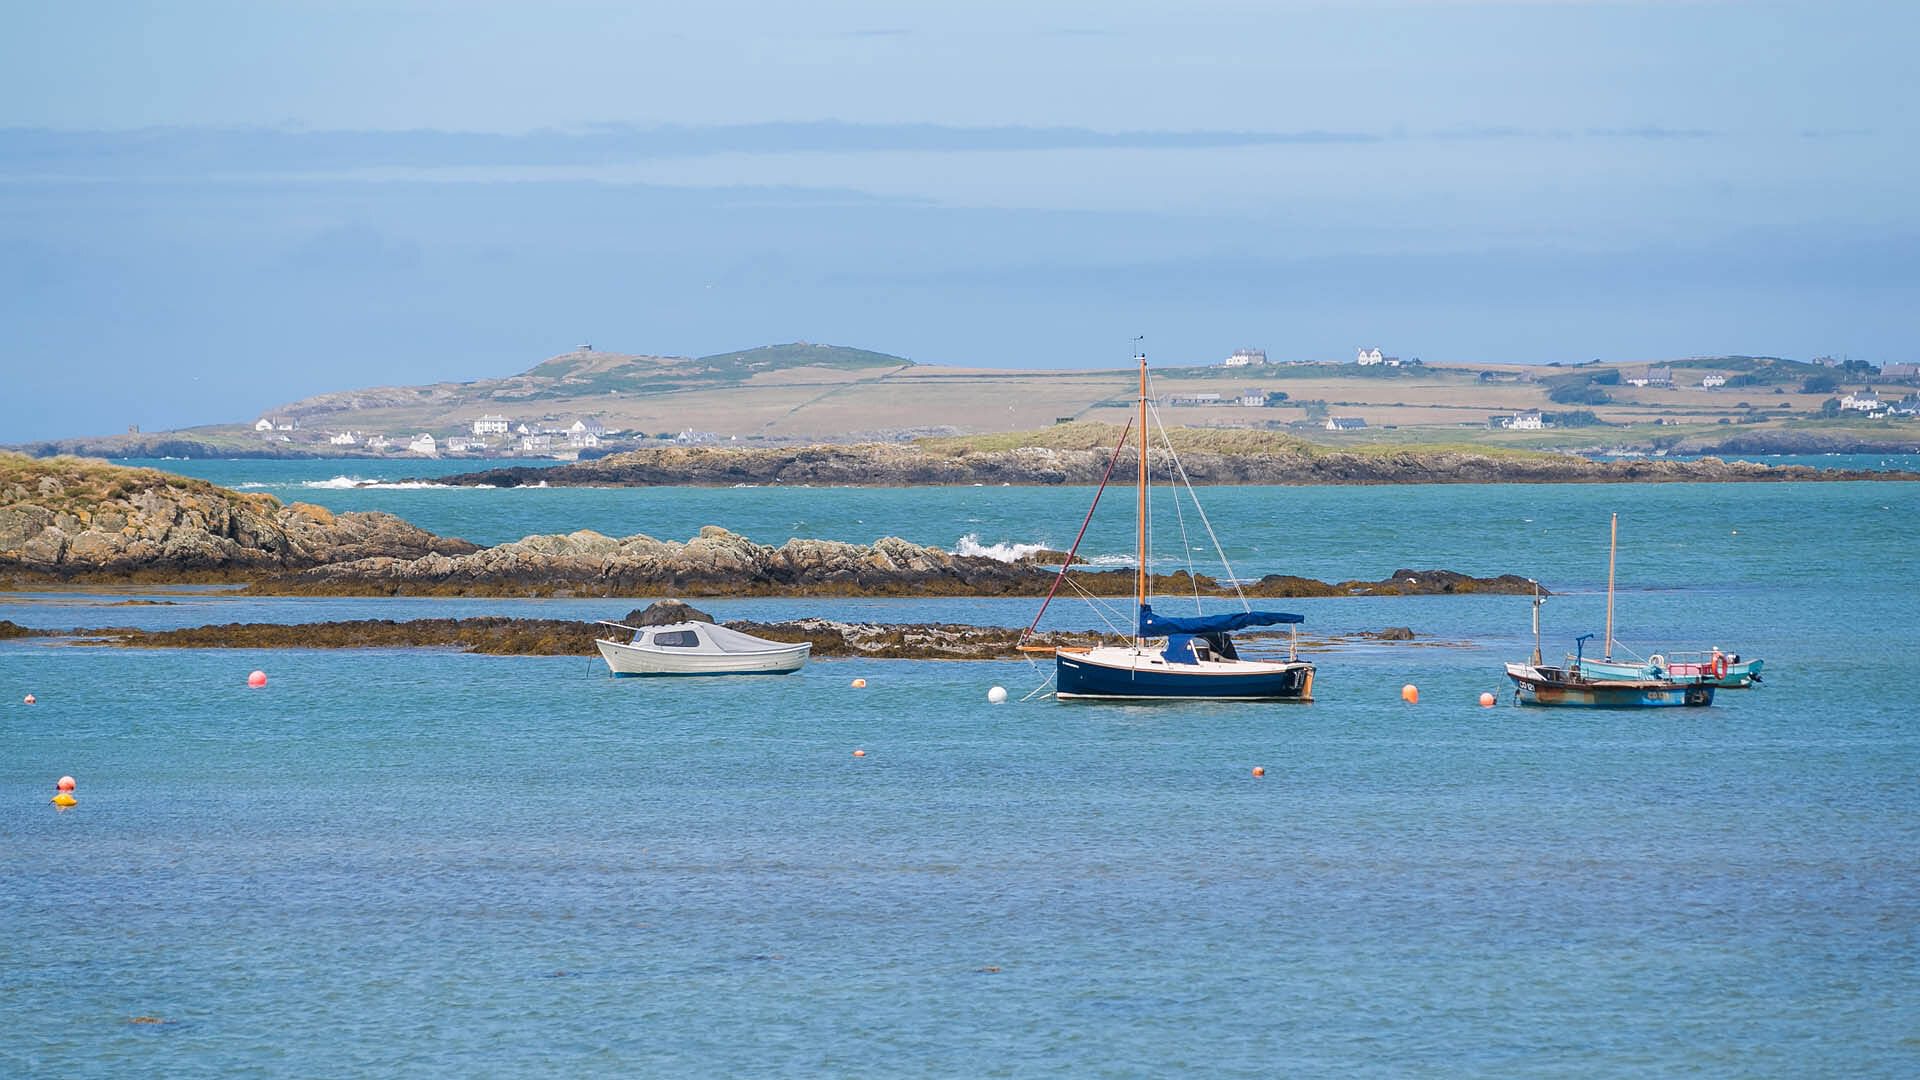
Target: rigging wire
1181, 471
1186, 545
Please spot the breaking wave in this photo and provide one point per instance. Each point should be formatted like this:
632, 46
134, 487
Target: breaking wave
1009, 551
349, 483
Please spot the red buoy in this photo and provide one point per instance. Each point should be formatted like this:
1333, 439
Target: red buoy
257, 680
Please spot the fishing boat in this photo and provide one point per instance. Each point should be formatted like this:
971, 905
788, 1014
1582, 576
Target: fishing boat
1726, 671
1580, 684
698, 648
1170, 658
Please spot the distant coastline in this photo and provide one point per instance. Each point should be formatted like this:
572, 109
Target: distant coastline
1079, 453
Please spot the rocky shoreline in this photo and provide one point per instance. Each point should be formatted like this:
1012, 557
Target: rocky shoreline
1264, 459
70, 522
503, 636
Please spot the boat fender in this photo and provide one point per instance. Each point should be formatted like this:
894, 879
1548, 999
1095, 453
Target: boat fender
1720, 666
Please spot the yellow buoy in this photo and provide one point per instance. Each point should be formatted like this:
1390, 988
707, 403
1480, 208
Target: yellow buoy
64, 800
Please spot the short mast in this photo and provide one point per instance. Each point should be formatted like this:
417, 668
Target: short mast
1613, 545
1140, 505
1537, 601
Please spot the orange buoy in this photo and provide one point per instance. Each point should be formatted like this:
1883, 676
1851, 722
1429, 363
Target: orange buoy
1259, 770
29, 699
257, 680
859, 753
1486, 701
1410, 694
859, 684
65, 783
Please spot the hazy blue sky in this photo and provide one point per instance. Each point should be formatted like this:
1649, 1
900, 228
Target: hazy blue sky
210, 208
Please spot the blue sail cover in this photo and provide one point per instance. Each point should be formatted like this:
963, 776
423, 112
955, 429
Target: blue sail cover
1152, 625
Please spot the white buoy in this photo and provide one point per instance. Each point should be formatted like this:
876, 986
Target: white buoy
997, 695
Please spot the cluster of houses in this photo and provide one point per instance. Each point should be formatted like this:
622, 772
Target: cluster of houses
1366, 356
1370, 356
1253, 397
534, 437
1525, 420
1876, 407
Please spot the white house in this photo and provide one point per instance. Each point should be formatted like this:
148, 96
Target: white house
1368, 358
345, 438
1530, 420
424, 444
1245, 358
1252, 397
1345, 423
263, 424
491, 425
1174, 400
1713, 379
377, 442
536, 443
1864, 401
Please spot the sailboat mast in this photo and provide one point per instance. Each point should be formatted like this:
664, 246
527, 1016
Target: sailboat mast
1140, 503
1613, 545
1536, 624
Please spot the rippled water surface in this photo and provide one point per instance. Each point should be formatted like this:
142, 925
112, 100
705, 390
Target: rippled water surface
430, 863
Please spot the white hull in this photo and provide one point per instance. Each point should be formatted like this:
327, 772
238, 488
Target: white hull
738, 658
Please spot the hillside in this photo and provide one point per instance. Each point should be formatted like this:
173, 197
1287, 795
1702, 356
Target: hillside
805, 393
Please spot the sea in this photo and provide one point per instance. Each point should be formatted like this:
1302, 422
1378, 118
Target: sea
419, 862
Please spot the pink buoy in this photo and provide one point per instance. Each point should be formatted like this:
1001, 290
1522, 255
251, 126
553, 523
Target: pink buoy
29, 699
257, 680
1486, 701
65, 783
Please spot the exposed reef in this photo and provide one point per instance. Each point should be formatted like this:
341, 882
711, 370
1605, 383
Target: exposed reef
68, 521
556, 637
1078, 454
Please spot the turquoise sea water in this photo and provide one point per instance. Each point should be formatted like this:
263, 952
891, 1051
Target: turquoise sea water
427, 863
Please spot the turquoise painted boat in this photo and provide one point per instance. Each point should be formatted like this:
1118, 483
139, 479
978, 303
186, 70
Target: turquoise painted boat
1605, 684
1571, 688
1724, 670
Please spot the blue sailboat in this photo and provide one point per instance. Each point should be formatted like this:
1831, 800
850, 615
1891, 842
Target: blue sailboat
1167, 657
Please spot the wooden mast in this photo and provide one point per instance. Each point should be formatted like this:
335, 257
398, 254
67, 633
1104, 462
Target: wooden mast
1613, 545
1140, 508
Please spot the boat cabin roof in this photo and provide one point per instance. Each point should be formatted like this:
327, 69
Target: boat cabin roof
698, 637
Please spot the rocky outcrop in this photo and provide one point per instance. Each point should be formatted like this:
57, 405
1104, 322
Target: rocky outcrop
74, 520
1263, 460
71, 518
714, 563
721, 563
556, 637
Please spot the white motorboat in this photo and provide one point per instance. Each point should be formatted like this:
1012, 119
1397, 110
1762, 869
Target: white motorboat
698, 648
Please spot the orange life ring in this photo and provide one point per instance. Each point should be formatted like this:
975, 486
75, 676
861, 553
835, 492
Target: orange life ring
1720, 666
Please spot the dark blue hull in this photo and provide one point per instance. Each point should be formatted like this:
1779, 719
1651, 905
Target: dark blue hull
1075, 677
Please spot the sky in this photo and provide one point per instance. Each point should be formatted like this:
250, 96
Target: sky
208, 209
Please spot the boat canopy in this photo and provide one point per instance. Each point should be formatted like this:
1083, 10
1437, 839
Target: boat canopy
1152, 625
